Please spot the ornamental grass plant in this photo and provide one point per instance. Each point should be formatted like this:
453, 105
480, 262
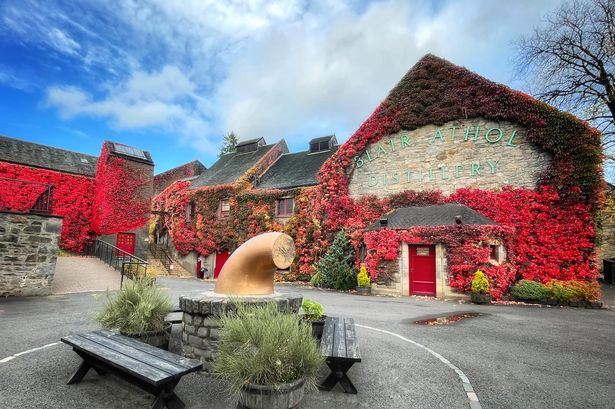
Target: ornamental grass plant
263, 346
139, 307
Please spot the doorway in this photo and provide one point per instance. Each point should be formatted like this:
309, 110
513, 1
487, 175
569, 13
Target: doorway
126, 242
221, 258
422, 270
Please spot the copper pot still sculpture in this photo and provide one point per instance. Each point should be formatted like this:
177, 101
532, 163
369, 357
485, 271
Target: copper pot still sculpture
250, 269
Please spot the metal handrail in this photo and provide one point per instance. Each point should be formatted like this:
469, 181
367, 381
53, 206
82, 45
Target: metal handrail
43, 202
159, 252
118, 259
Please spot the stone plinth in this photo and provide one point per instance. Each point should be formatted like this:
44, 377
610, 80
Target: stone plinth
201, 315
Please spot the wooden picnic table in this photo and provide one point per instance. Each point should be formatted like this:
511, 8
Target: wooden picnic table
152, 369
340, 347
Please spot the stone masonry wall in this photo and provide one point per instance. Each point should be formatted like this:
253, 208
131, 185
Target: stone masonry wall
469, 153
28, 253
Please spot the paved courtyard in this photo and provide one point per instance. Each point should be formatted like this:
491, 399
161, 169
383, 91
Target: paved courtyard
513, 356
83, 274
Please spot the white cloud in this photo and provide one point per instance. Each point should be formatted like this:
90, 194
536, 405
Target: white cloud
162, 99
328, 73
63, 42
281, 68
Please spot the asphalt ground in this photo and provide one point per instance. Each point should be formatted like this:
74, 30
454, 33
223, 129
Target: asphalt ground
514, 356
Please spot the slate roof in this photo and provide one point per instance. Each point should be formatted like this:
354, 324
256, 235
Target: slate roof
188, 170
230, 167
295, 170
41, 156
435, 215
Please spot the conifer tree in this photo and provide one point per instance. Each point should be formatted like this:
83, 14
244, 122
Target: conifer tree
336, 266
228, 143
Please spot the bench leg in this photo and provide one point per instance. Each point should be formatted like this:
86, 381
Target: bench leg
167, 397
79, 373
338, 374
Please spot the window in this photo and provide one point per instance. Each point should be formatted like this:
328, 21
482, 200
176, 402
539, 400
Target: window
319, 146
284, 207
493, 252
190, 211
225, 208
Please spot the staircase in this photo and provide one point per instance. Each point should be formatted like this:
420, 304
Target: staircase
160, 262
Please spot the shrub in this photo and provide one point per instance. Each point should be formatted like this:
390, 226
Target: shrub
336, 266
574, 290
529, 290
313, 309
137, 308
316, 279
480, 284
558, 290
362, 278
261, 345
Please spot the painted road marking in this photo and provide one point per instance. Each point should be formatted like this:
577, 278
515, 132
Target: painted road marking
467, 386
8, 358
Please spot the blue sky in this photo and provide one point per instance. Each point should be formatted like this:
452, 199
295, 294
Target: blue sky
172, 77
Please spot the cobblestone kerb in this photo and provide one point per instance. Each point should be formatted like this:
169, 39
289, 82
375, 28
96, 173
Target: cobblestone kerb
201, 319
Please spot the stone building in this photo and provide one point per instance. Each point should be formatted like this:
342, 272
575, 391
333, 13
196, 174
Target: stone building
451, 173
256, 174
52, 198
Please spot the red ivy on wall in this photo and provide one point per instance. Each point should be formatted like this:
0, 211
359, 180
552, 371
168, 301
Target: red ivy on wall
123, 194
72, 198
550, 232
545, 238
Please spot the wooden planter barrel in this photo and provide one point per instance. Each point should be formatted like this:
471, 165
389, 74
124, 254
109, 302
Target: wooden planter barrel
285, 396
158, 339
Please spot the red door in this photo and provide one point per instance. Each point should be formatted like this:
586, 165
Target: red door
423, 270
220, 260
198, 268
126, 242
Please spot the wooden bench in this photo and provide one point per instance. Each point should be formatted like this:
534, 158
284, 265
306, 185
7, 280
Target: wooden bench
340, 348
151, 369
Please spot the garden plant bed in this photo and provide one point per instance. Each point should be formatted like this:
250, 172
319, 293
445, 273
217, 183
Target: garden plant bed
447, 319
550, 303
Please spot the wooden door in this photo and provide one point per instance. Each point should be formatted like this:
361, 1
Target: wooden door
221, 258
126, 242
422, 270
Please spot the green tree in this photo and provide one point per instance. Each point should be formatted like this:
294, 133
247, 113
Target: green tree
228, 143
336, 266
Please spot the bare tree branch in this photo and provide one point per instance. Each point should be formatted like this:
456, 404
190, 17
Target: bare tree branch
570, 61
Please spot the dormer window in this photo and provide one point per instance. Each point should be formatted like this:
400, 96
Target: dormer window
250, 146
322, 144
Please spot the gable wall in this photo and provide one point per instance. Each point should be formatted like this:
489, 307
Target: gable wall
432, 158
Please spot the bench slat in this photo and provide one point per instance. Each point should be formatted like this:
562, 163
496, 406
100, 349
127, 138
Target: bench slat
339, 340
118, 360
326, 342
148, 359
352, 346
190, 364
